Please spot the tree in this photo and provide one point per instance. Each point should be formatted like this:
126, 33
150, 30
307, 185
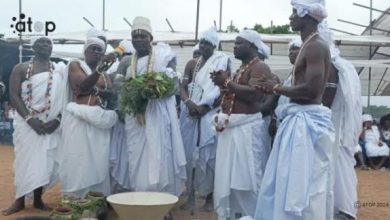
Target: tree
278, 29
231, 28
377, 111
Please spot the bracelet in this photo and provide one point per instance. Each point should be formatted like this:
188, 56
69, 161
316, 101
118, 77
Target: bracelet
227, 82
96, 91
274, 89
27, 117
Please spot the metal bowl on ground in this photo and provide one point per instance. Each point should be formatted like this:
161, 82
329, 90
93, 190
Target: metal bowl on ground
142, 205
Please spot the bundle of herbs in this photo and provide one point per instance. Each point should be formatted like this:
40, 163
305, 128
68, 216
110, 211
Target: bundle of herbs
136, 92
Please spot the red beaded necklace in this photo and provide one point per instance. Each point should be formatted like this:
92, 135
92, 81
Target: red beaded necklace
232, 96
28, 99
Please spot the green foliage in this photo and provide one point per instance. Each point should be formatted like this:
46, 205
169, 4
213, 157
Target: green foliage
232, 29
278, 29
136, 92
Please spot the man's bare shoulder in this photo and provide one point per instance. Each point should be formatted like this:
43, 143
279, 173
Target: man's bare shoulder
74, 65
316, 46
261, 68
21, 67
191, 64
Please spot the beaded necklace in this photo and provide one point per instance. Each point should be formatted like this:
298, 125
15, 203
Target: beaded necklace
196, 70
232, 96
29, 98
299, 54
103, 103
134, 63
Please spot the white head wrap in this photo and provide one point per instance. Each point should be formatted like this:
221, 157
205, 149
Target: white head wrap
367, 117
255, 38
196, 47
313, 8
296, 42
93, 32
35, 38
127, 46
211, 36
94, 41
326, 34
142, 23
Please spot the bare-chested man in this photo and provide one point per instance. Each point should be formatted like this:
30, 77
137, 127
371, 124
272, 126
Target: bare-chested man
297, 178
238, 170
87, 124
36, 91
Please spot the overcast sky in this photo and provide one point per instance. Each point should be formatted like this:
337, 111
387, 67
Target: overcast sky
68, 14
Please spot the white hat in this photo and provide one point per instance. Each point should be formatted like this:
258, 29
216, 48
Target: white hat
313, 8
142, 23
367, 117
255, 38
211, 36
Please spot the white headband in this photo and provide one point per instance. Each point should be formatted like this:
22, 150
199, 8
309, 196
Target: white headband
94, 41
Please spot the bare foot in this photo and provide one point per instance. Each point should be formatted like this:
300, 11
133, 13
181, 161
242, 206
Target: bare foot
14, 208
40, 205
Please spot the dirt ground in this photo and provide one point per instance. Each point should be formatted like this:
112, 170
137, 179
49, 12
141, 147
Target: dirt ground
374, 194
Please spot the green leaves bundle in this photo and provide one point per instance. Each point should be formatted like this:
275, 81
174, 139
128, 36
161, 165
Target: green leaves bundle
136, 92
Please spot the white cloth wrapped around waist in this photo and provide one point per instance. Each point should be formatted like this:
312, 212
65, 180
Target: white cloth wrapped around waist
86, 140
299, 166
239, 158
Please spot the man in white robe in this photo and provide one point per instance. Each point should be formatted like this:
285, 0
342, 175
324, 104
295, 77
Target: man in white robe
84, 161
119, 158
156, 153
297, 178
343, 96
374, 144
36, 89
241, 156
199, 94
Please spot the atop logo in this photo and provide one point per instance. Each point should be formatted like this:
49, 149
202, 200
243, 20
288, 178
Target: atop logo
27, 25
